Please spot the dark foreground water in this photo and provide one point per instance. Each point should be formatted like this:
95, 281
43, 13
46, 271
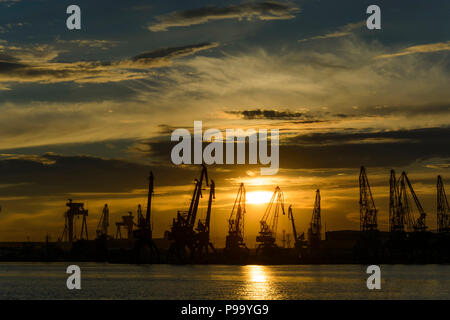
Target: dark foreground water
106, 281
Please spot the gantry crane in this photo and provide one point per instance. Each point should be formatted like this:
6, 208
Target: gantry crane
103, 224
315, 227
235, 238
203, 227
443, 209
75, 210
182, 232
128, 223
367, 209
268, 232
416, 225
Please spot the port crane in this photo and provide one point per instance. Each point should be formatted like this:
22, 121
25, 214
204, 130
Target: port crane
443, 209
75, 210
315, 226
128, 223
419, 224
103, 224
298, 240
144, 233
203, 227
268, 232
182, 232
367, 209
235, 238
396, 216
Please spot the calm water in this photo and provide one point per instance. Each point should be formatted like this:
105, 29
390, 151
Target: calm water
105, 281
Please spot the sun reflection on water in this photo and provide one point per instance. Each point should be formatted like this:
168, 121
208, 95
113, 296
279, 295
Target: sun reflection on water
258, 284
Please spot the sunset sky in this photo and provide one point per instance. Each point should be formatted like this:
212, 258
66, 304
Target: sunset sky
85, 114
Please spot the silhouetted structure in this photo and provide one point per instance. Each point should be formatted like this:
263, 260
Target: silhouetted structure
75, 210
315, 227
443, 209
234, 245
367, 209
144, 233
182, 233
268, 232
128, 223
103, 224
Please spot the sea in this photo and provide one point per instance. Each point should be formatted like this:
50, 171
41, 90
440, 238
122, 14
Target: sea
222, 282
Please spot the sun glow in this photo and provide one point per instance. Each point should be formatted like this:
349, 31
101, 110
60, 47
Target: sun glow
258, 197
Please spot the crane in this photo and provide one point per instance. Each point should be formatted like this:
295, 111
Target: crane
268, 233
203, 227
315, 227
419, 224
396, 217
297, 239
103, 224
443, 209
128, 223
182, 232
367, 209
235, 237
75, 210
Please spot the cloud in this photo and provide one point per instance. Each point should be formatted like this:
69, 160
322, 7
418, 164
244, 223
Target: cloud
334, 149
424, 48
36, 65
269, 10
268, 114
90, 43
341, 32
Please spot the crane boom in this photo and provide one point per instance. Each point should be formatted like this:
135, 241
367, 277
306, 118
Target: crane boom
291, 217
418, 224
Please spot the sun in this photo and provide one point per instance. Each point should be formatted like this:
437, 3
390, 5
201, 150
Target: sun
258, 197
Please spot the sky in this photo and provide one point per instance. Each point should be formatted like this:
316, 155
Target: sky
86, 114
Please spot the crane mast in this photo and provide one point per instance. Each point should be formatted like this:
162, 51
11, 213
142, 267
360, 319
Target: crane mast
315, 227
367, 209
443, 209
235, 236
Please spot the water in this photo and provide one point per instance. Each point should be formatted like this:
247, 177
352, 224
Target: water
107, 281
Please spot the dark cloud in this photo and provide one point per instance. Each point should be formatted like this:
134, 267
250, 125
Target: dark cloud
268, 114
59, 175
377, 149
344, 149
269, 10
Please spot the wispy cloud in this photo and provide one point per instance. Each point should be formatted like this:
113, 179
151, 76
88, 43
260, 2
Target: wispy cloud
37, 65
269, 10
341, 32
424, 48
